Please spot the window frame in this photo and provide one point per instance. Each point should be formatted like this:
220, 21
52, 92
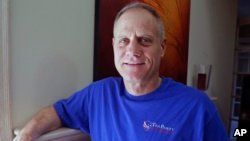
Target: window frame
5, 99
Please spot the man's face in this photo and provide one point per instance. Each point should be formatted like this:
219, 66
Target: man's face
137, 46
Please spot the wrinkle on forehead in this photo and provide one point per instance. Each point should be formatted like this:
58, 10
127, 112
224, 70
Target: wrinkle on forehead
131, 33
136, 21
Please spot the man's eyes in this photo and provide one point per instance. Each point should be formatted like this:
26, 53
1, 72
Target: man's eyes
145, 41
123, 41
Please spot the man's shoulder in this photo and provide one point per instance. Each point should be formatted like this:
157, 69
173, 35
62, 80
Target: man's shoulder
193, 96
187, 92
107, 81
101, 86
178, 87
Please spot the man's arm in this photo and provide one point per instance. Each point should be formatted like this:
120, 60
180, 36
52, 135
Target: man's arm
44, 121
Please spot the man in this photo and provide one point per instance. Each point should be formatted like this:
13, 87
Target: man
140, 106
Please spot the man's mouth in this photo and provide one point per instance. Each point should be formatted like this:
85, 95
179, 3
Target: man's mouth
134, 64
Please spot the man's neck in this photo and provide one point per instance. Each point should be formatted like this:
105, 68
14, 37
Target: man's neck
142, 87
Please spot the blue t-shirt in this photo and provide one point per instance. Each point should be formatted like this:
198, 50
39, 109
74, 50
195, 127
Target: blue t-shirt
172, 112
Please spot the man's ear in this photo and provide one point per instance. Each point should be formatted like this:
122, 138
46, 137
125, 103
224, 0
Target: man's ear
163, 47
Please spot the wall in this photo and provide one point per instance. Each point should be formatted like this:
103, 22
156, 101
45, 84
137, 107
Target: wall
212, 33
51, 52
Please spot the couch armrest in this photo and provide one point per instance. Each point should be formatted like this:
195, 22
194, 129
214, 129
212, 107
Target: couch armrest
63, 134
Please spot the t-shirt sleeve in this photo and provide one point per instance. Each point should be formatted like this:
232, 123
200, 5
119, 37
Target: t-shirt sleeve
73, 112
214, 130
210, 126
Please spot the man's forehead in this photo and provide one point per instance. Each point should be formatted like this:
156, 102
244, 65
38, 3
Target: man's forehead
138, 33
133, 21
137, 13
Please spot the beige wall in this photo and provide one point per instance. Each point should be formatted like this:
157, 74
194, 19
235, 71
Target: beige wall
212, 33
51, 52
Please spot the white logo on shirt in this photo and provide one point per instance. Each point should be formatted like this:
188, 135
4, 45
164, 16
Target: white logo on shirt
153, 126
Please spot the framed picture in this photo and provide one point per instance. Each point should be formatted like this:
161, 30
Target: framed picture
175, 14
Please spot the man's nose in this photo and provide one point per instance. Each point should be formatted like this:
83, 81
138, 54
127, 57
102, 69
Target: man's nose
134, 49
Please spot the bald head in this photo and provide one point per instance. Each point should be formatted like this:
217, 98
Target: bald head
138, 5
